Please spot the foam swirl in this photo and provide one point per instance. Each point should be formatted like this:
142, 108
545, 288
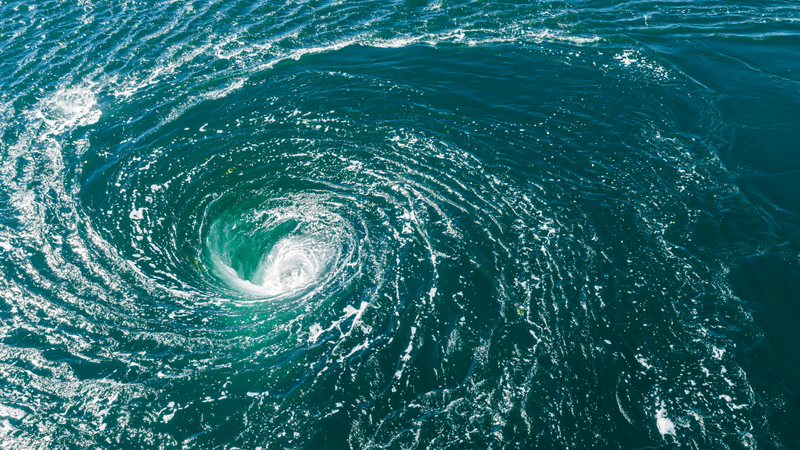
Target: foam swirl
279, 247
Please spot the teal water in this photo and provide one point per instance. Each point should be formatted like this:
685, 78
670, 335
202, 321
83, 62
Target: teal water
399, 225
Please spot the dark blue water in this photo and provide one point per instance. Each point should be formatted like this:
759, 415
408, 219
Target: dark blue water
444, 225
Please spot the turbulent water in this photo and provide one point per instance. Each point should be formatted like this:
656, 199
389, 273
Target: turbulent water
397, 225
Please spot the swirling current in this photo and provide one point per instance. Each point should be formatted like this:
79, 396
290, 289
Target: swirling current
399, 225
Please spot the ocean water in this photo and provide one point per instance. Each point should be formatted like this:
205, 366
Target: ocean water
399, 225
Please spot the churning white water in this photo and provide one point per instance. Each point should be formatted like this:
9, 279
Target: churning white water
281, 250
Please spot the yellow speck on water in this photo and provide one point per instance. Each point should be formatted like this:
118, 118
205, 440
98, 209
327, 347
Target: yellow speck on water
230, 170
521, 312
195, 263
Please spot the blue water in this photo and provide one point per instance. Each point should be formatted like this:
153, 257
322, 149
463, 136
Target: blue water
419, 224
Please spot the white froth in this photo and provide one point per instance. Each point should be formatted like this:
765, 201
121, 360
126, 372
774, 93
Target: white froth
293, 263
137, 214
14, 413
664, 424
314, 332
70, 108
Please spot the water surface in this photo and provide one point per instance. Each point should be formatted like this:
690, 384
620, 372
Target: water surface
416, 224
